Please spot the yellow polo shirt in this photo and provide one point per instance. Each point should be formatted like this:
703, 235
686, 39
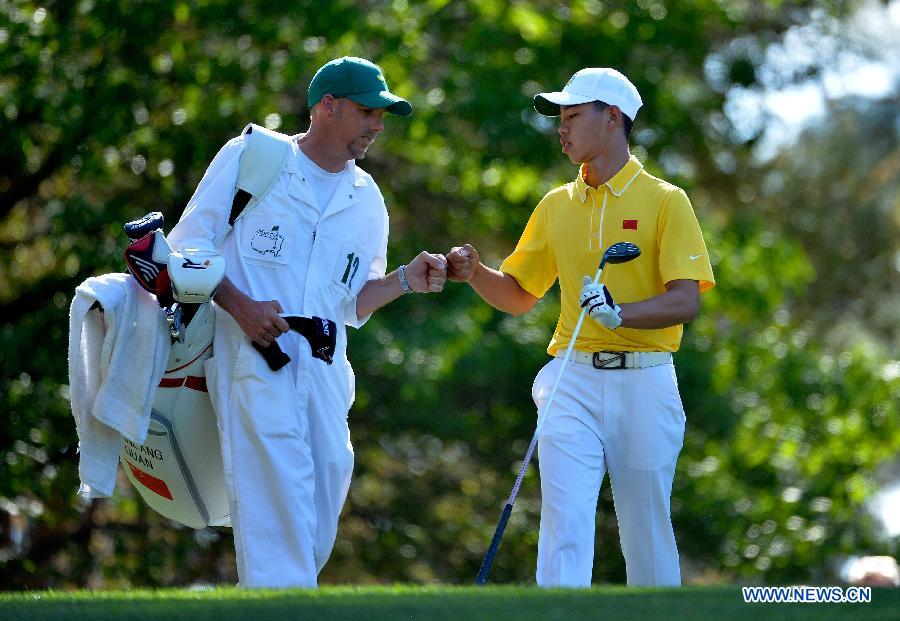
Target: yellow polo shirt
572, 226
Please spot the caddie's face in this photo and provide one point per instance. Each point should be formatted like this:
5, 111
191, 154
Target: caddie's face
357, 126
582, 131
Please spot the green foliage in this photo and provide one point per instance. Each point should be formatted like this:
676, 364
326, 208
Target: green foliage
780, 434
112, 109
844, 211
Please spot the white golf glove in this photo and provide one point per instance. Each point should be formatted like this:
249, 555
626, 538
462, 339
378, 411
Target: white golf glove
599, 304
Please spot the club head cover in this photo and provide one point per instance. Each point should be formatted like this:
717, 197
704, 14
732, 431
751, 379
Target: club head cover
273, 355
320, 333
195, 275
142, 258
136, 229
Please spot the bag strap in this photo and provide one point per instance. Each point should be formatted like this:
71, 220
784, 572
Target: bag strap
262, 160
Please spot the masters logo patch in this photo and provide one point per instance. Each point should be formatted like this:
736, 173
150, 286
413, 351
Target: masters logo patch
267, 242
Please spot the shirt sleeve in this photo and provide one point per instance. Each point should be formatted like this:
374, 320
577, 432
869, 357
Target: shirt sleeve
377, 269
533, 263
682, 251
205, 219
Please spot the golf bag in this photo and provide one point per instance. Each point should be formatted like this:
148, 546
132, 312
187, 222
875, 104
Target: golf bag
178, 470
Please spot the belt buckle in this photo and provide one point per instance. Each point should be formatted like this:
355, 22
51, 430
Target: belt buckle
607, 363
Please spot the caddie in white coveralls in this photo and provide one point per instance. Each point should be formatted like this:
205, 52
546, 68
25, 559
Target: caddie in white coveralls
316, 245
617, 407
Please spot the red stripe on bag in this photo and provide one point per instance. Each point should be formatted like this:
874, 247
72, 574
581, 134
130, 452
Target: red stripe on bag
194, 382
629, 224
157, 486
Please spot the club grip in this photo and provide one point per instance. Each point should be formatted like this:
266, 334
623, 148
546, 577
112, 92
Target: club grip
495, 544
273, 355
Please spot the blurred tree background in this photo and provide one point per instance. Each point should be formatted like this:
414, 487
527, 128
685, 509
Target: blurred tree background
790, 378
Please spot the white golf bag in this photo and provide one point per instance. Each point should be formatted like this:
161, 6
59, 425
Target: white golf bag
178, 470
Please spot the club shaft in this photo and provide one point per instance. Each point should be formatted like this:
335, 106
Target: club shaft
495, 543
507, 510
543, 415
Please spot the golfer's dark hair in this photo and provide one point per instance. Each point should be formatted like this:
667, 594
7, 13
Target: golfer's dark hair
626, 120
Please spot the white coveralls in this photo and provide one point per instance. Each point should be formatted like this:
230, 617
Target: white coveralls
285, 440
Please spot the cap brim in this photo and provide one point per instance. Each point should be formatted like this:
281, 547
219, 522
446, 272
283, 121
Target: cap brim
383, 99
548, 104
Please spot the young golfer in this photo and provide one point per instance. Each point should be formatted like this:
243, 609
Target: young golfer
617, 407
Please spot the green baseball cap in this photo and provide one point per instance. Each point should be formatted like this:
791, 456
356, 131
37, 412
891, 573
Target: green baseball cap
359, 80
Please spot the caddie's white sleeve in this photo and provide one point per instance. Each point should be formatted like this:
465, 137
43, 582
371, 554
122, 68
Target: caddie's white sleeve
205, 219
377, 269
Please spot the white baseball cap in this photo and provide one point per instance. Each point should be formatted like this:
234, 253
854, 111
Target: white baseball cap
592, 84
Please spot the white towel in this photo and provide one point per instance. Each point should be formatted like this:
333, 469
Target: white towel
116, 360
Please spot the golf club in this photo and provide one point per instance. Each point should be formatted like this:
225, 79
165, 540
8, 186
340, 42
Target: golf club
617, 253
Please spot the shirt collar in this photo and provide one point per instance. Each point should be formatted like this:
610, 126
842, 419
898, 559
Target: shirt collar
617, 184
358, 178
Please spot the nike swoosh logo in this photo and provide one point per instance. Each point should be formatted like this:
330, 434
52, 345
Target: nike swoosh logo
694, 257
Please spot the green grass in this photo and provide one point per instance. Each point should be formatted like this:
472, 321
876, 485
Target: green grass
429, 603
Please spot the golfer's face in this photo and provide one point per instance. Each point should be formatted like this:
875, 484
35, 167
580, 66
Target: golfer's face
359, 126
581, 131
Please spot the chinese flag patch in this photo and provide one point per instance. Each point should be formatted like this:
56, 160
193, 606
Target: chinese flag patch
629, 224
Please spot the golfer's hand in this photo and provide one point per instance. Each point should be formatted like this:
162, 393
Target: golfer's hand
462, 262
600, 304
427, 272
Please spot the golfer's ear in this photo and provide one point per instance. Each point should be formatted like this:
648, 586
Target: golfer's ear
615, 114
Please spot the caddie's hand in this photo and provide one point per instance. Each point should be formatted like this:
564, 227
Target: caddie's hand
600, 304
261, 322
462, 262
427, 272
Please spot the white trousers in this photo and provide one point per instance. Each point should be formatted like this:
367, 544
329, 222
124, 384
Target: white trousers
287, 455
629, 422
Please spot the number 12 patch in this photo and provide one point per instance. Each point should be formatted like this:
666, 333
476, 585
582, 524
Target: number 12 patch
349, 268
352, 264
